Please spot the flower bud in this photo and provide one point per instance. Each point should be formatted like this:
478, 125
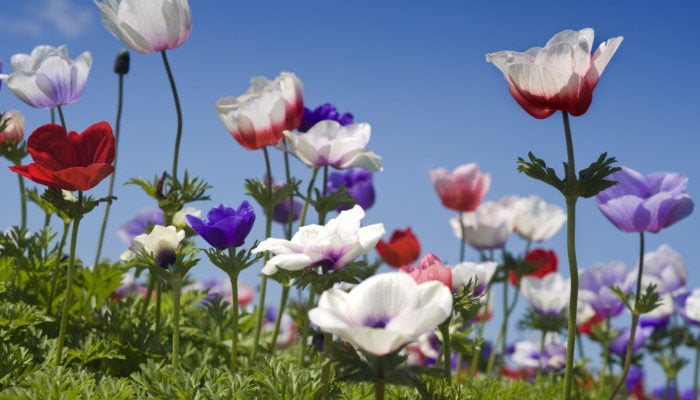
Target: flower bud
121, 63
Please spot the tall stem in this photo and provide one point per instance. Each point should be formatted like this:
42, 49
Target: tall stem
176, 285
280, 312
463, 243
60, 116
288, 177
22, 203
571, 252
233, 276
696, 373
446, 349
263, 280
69, 283
178, 110
380, 382
117, 125
635, 320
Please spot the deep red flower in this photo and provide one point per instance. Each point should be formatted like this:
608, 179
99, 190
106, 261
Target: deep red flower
586, 328
402, 249
542, 261
69, 161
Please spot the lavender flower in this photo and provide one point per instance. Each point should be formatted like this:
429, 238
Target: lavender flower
641, 203
138, 225
619, 345
594, 288
225, 227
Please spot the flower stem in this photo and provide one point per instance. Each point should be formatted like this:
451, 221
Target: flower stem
176, 285
280, 311
288, 177
263, 279
178, 110
22, 203
570, 199
305, 328
380, 382
446, 349
309, 190
60, 116
463, 243
480, 332
110, 191
233, 276
69, 284
696, 373
635, 321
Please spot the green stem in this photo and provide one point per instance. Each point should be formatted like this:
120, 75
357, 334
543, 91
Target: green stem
480, 333
380, 382
22, 203
233, 276
263, 280
539, 362
305, 328
446, 349
504, 324
605, 357
463, 244
288, 176
326, 367
176, 285
69, 284
280, 312
696, 372
60, 116
635, 321
117, 124
178, 110
573, 264
309, 190
159, 292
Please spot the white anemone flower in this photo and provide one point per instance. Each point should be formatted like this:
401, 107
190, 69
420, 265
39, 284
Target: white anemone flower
537, 220
161, 244
384, 312
466, 270
147, 26
329, 143
548, 295
331, 246
487, 227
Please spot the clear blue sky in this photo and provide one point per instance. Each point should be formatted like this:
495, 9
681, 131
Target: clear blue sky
416, 72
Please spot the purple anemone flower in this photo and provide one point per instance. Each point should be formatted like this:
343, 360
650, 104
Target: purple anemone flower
358, 182
323, 112
594, 287
282, 210
641, 203
225, 227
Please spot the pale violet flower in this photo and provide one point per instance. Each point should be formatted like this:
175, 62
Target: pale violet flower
689, 306
661, 315
331, 246
161, 244
147, 26
48, 77
664, 268
529, 354
537, 220
548, 295
479, 273
384, 312
329, 143
488, 227
594, 287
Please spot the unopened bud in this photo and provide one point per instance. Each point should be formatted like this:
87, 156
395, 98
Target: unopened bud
121, 63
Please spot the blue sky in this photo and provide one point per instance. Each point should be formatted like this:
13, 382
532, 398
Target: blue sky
416, 72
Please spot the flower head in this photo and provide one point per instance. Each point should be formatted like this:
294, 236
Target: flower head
322, 113
430, 268
559, 76
403, 248
358, 182
548, 295
259, 117
462, 189
619, 344
331, 246
68, 160
542, 261
13, 131
487, 227
528, 353
465, 271
664, 268
225, 227
384, 312
536, 220
594, 288
47, 77
161, 245
688, 305
138, 225
639, 203
330, 144
147, 26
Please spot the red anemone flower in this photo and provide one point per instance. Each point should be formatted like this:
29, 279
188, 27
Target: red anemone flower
542, 261
402, 249
68, 160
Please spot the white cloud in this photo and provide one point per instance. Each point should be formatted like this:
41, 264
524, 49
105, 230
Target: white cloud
40, 18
